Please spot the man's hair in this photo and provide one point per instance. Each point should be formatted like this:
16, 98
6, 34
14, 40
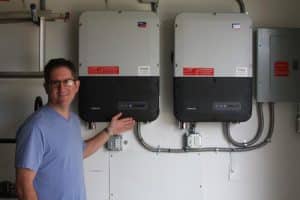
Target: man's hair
57, 63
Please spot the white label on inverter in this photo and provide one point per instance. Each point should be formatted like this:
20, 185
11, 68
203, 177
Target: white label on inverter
241, 71
236, 26
144, 70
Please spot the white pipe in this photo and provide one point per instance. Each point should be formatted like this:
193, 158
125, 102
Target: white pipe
42, 44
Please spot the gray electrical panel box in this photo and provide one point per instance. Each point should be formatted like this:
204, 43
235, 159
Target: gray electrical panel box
213, 45
213, 67
123, 43
119, 65
278, 70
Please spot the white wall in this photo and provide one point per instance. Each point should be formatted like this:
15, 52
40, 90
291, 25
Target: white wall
270, 173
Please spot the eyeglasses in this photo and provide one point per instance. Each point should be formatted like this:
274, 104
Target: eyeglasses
66, 83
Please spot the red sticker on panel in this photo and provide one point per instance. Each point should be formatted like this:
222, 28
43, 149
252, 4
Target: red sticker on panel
198, 71
281, 68
103, 70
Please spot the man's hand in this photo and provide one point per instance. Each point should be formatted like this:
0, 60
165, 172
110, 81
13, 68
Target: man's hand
118, 125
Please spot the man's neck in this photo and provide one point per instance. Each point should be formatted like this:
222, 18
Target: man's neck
63, 111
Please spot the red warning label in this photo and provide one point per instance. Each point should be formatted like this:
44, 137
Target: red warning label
103, 70
281, 68
198, 71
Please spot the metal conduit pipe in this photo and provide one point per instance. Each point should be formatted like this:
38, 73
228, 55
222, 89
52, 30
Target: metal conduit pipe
154, 7
28, 75
270, 131
242, 6
153, 4
140, 139
42, 43
39, 18
266, 140
15, 17
42, 36
31, 16
260, 119
210, 149
42, 4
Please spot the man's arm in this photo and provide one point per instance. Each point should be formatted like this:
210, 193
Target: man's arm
116, 127
24, 184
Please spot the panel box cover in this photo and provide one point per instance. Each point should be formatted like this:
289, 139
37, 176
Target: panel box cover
119, 65
278, 70
213, 67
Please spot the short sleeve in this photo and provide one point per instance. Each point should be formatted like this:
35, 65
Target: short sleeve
29, 148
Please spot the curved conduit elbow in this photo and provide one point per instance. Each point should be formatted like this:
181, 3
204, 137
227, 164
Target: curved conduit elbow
242, 6
260, 119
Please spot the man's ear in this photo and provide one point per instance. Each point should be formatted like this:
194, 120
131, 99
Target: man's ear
77, 83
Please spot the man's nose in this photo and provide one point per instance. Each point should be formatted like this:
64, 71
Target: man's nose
61, 85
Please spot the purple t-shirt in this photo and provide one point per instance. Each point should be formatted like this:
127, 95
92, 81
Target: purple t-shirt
52, 146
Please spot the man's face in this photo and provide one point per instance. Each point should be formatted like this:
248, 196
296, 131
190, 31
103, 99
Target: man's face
62, 87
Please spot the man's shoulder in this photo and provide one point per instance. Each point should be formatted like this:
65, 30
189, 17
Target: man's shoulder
36, 119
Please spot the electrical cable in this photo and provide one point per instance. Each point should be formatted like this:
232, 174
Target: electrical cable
140, 139
43, 5
153, 4
137, 131
260, 118
242, 6
154, 7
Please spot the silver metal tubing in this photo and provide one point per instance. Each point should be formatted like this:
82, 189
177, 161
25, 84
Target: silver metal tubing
15, 17
8, 75
42, 44
140, 139
42, 4
242, 6
23, 16
153, 4
154, 7
257, 136
57, 16
266, 140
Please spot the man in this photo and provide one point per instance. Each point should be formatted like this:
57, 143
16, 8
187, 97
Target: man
50, 150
